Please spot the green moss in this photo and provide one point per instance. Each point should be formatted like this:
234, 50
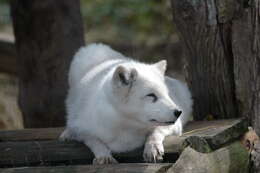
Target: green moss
233, 158
241, 160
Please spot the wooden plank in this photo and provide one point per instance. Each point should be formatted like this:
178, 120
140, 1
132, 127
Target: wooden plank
36, 153
214, 136
207, 136
30, 134
194, 128
53, 152
116, 168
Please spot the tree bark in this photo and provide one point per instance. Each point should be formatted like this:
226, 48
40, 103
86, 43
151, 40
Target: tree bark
246, 54
209, 70
47, 34
222, 42
7, 58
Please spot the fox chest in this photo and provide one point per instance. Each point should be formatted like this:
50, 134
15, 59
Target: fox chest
124, 142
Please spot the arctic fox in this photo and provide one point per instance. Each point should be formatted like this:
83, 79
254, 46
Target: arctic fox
116, 104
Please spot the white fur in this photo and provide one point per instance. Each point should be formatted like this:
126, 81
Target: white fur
110, 115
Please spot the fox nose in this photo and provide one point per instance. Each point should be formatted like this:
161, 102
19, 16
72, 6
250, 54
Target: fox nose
177, 113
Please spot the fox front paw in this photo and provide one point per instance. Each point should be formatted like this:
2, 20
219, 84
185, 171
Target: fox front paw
104, 160
153, 152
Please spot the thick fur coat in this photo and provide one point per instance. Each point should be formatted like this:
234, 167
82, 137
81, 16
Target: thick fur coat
116, 104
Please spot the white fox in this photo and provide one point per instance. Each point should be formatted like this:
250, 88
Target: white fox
116, 104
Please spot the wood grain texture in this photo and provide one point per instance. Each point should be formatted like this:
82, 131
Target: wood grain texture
223, 59
47, 33
222, 42
193, 128
117, 168
205, 29
30, 149
246, 51
30, 134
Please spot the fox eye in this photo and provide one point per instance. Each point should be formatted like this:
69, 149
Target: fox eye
153, 96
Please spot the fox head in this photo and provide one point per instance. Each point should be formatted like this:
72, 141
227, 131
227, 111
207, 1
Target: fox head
139, 92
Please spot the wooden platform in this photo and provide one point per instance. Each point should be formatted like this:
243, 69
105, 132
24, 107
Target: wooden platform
40, 147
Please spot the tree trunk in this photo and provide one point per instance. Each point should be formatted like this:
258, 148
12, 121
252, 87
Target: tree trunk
7, 58
209, 57
246, 51
221, 39
47, 33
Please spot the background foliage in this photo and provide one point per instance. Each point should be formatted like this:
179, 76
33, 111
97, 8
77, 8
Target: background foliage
134, 21
145, 22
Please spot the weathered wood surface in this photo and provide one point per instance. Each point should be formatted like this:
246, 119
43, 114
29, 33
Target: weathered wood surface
230, 159
8, 62
29, 149
193, 128
206, 33
116, 168
208, 136
246, 52
222, 43
47, 35
30, 134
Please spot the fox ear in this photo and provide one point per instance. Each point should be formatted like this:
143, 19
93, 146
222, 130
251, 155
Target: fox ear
161, 66
124, 76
